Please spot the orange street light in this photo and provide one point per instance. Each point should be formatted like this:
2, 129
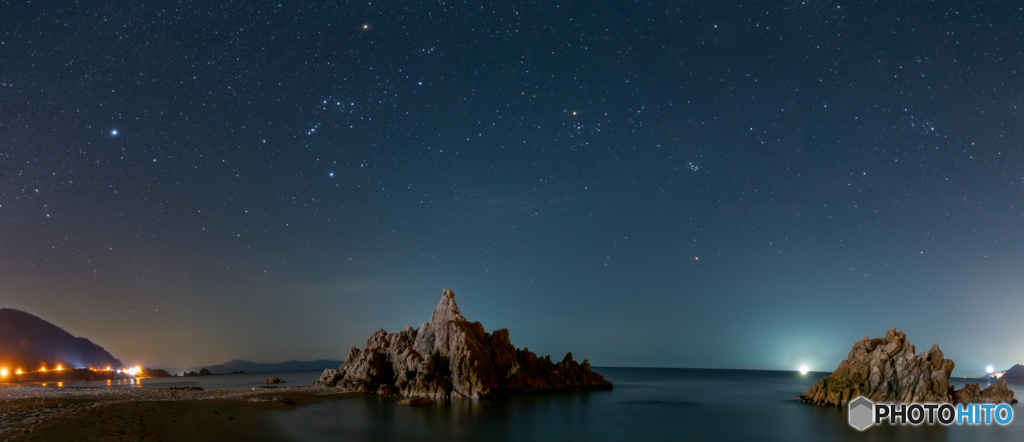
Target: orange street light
3, 372
18, 372
59, 368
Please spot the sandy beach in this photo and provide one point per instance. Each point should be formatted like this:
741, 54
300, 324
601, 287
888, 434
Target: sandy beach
129, 414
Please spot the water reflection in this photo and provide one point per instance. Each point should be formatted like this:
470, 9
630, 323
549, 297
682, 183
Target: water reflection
648, 404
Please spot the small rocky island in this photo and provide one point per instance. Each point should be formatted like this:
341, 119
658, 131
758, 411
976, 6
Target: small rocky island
452, 358
887, 370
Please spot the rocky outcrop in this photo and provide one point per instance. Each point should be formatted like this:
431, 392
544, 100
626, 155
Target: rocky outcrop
273, 380
888, 370
450, 357
155, 373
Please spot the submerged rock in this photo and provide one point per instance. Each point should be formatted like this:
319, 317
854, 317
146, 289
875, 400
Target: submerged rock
416, 401
450, 357
888, 370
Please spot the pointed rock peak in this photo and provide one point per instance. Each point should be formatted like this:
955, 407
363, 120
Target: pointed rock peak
446, 309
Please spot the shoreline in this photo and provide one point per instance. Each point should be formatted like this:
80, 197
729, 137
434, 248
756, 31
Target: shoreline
31, 412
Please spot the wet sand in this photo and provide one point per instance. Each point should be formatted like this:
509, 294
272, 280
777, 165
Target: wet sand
136, 414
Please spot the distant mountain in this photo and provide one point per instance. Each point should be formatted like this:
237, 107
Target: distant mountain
1015, 373
253, 367
28, 342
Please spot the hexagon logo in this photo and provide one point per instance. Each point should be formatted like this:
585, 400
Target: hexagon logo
861, 412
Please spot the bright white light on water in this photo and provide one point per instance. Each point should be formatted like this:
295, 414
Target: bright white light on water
804, 368
989, 369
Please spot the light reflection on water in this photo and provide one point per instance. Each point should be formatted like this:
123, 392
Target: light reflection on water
216, 382
648, 404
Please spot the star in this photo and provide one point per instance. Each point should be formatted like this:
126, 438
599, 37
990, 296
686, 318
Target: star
331, 174
113, 132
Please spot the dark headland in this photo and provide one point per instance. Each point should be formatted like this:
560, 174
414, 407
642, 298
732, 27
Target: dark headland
35, 350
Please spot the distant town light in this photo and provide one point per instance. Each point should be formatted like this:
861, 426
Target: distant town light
3, 372
804, 368
18, 372
59, 368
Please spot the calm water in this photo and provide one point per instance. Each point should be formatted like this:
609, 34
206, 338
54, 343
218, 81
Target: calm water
646, 404
218, 382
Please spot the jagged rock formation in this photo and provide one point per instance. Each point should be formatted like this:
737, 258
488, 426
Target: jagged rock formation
887, 370
450, 357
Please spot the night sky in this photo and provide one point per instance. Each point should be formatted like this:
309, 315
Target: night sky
666, 184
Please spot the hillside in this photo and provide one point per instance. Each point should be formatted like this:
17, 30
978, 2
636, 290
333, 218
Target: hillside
254, 367
28, 342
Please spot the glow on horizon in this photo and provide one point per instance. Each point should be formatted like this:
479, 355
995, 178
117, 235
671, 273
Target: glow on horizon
804, 368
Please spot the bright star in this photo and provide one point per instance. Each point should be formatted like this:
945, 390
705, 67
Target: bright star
330, 174
989, 369
113, 132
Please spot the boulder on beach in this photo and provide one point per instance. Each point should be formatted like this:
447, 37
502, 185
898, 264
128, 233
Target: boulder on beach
888, 370
450, 358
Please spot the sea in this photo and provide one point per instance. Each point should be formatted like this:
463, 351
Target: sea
241, 381
649, 404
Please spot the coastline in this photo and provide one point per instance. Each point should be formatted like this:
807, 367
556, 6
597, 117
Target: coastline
30, 412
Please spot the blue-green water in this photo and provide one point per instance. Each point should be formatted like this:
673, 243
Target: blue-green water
646, 404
